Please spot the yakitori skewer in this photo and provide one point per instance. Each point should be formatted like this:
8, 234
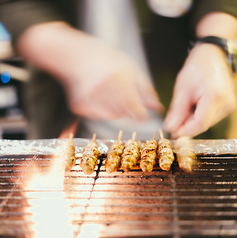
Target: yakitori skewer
90, 155
165, 153
131, 154
67, 155
184, 153
149, 155
113, 161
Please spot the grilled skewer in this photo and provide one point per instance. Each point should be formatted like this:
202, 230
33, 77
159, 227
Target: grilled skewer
113, 162
149, 155
165, 153
90, 155
67, 155
131, 154
184, 153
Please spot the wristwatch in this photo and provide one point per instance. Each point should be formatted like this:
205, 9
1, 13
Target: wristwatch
229, 46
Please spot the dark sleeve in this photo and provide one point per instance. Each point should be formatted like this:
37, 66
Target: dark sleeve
18, 15
203, 7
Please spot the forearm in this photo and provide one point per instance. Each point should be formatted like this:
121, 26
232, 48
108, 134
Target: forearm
217, 24
90, 71
55, 47
44, 45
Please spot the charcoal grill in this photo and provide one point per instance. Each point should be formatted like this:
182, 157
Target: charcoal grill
132, 204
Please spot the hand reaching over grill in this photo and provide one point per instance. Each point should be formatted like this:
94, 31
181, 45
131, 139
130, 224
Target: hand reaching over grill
100, 82
203, 93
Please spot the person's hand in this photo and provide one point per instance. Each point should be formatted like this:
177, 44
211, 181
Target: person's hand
107, 84
100, 82
203, 93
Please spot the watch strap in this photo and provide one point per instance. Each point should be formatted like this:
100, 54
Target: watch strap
229, 46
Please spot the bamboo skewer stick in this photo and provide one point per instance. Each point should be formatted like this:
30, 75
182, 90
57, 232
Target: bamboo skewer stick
120, 135
94, 137
161, 133
70, 137
134, 135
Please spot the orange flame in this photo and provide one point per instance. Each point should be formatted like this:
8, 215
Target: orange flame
49, 208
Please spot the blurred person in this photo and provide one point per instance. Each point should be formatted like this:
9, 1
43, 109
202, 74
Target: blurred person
105, 85
5, 43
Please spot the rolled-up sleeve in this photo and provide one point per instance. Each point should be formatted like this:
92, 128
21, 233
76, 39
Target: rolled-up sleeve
18, 15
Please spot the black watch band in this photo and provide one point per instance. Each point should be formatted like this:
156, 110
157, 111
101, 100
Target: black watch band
229, 46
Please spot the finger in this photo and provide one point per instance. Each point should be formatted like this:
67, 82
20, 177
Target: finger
128, 100
129, 105
148, 93
153, 103
133, 107
200, 121
113, 100
180, 109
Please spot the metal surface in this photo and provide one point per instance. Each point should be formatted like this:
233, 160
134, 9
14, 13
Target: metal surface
132, 204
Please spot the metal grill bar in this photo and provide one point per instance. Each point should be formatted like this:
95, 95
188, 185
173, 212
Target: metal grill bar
132, 204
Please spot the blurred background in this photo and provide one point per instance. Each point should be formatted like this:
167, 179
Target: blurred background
13, 124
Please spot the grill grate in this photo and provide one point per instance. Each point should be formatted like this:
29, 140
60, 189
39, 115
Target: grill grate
132, 204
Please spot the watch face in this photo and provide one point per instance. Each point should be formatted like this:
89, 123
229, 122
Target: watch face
170, 8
